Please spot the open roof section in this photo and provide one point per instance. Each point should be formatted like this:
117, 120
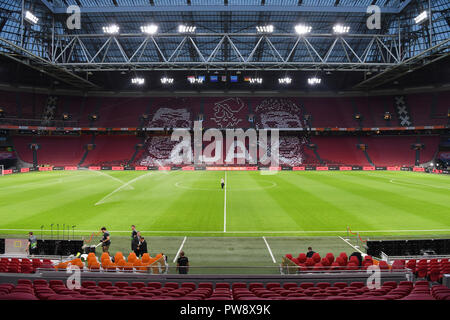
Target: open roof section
235, 18
104, 6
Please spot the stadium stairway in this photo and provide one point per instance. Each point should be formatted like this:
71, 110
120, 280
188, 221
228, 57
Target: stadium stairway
86, 150
137, 151
316, 154
366, 154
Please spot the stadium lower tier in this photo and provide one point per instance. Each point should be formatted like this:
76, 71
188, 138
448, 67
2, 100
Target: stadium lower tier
89, 150
40, 289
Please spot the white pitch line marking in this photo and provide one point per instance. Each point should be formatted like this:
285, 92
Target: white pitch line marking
354, 247
270, 251
121, 187
111, 177
225, 206
396, 181
179, 250
244, 232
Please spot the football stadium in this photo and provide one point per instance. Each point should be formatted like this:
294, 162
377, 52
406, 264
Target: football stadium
227, 150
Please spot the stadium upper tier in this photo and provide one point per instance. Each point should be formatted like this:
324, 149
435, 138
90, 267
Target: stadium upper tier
225, 112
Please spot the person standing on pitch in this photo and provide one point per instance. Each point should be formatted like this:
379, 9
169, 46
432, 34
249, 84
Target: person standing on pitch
134, 239
106, 240
32, 244
222, 183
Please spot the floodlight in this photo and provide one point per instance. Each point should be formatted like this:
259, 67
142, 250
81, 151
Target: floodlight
314, 81
31, 18
285, 80
166, 80
265, 29
138, 81
255, 80
186, 29
196, 80
149, 29
421, 17
111, 29
302, 29
340, 29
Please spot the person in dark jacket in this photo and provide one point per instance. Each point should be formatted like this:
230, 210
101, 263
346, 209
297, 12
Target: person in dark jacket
142, 247
134, 238
182, 264
310, 252
32, 244
106, 240
135, 243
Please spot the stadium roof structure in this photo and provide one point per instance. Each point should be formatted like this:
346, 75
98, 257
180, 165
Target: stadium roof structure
226, 38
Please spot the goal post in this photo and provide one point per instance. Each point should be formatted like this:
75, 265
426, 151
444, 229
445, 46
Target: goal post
2, 168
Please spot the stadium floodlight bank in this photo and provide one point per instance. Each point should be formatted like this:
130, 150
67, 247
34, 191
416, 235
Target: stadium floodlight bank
186, 29
302, 29
421, 17
313, 81
111, 29
31, 18
166, 80
265, 29
138, 81
286, 80
149, 29
341, 29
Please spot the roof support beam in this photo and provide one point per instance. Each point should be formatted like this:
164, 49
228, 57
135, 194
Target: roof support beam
275, 54
49, 6
226, 8
29, 59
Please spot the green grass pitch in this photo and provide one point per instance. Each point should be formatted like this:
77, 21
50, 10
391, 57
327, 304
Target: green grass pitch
289, 209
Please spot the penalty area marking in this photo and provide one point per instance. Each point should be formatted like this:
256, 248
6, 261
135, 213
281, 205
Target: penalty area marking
354, 247
121, 187
270, 251
418, 184
111, 177
179, 250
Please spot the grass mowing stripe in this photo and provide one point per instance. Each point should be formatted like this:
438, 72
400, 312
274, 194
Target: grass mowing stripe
248, 232
382, 205
309, 203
